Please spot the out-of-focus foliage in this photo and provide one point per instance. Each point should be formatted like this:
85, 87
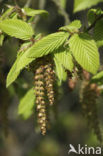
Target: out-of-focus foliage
84, 4
27, 104
63, 3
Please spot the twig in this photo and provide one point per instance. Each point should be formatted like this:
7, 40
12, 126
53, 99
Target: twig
94, 23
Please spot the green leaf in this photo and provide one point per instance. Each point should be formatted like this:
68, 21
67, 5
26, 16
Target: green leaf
93, 14
13, 74
43, 47
1, 39
72, 27
98, 78
26, 105
17, 28
14, 71
85, 51
48, 44
84, 4
27, 45
98, 33
7, 13
32, 12
65, 59
24, 47
14, 15
98, 75
60, 71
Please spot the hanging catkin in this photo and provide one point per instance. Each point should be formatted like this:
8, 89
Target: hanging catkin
40, 96
88, 99
44, 81
49, 81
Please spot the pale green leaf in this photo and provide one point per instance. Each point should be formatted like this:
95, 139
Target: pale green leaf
1, 39
65, 59
24, 47
73, 26
27, 45
43, 47
48, 44
13, 74
60, 71
26, 105
14, 15
98, 33
85, 51
98, 78
17, 28
32, 12
84, 4
7, 13
98, 75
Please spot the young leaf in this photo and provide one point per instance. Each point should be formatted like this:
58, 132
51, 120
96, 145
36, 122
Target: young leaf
13, 74
24, 47
48, 44
93, 14
72, 27
32, 12
85, 51
98, 78
7, 13
43, 47
26, 104
60, 71
1, 39
98, 33
98, 75
65, 59
84, 4
17, 28
14, 71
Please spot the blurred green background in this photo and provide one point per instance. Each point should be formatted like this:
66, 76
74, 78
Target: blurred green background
20, 137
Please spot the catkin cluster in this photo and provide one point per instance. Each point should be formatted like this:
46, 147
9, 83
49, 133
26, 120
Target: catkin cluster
49, 82
90, 93
44, 90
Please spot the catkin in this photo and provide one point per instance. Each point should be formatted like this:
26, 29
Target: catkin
44, 80
49, 82
89, 107
40, 96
